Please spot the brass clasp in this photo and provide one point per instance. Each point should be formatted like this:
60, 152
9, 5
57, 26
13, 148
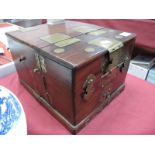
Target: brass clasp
107, 61
40, 64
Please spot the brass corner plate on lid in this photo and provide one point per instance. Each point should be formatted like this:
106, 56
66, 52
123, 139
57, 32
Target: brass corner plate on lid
110, 44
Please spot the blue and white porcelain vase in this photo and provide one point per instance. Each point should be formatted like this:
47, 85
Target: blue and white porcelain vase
12, 116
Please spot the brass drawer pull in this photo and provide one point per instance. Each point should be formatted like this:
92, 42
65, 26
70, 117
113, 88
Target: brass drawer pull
88, 87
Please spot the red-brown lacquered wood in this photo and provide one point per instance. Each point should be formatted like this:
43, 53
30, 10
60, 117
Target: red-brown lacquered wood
75, 55
84, 107
25, 62
60, 88
108, 82
32, 35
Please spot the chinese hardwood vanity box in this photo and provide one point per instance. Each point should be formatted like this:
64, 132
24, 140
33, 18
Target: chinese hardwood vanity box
74, 69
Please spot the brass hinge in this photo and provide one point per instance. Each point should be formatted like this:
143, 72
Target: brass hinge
40, 64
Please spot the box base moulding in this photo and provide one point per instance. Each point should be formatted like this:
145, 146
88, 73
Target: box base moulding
74, 129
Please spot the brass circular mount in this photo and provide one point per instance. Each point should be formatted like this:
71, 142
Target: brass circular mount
59, 50
89, 49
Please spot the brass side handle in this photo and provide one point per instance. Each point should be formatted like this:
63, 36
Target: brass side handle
88, 87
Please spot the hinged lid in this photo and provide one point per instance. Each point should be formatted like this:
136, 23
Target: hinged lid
44, 35
72, 44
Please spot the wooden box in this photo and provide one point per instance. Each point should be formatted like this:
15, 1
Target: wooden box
74, 69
